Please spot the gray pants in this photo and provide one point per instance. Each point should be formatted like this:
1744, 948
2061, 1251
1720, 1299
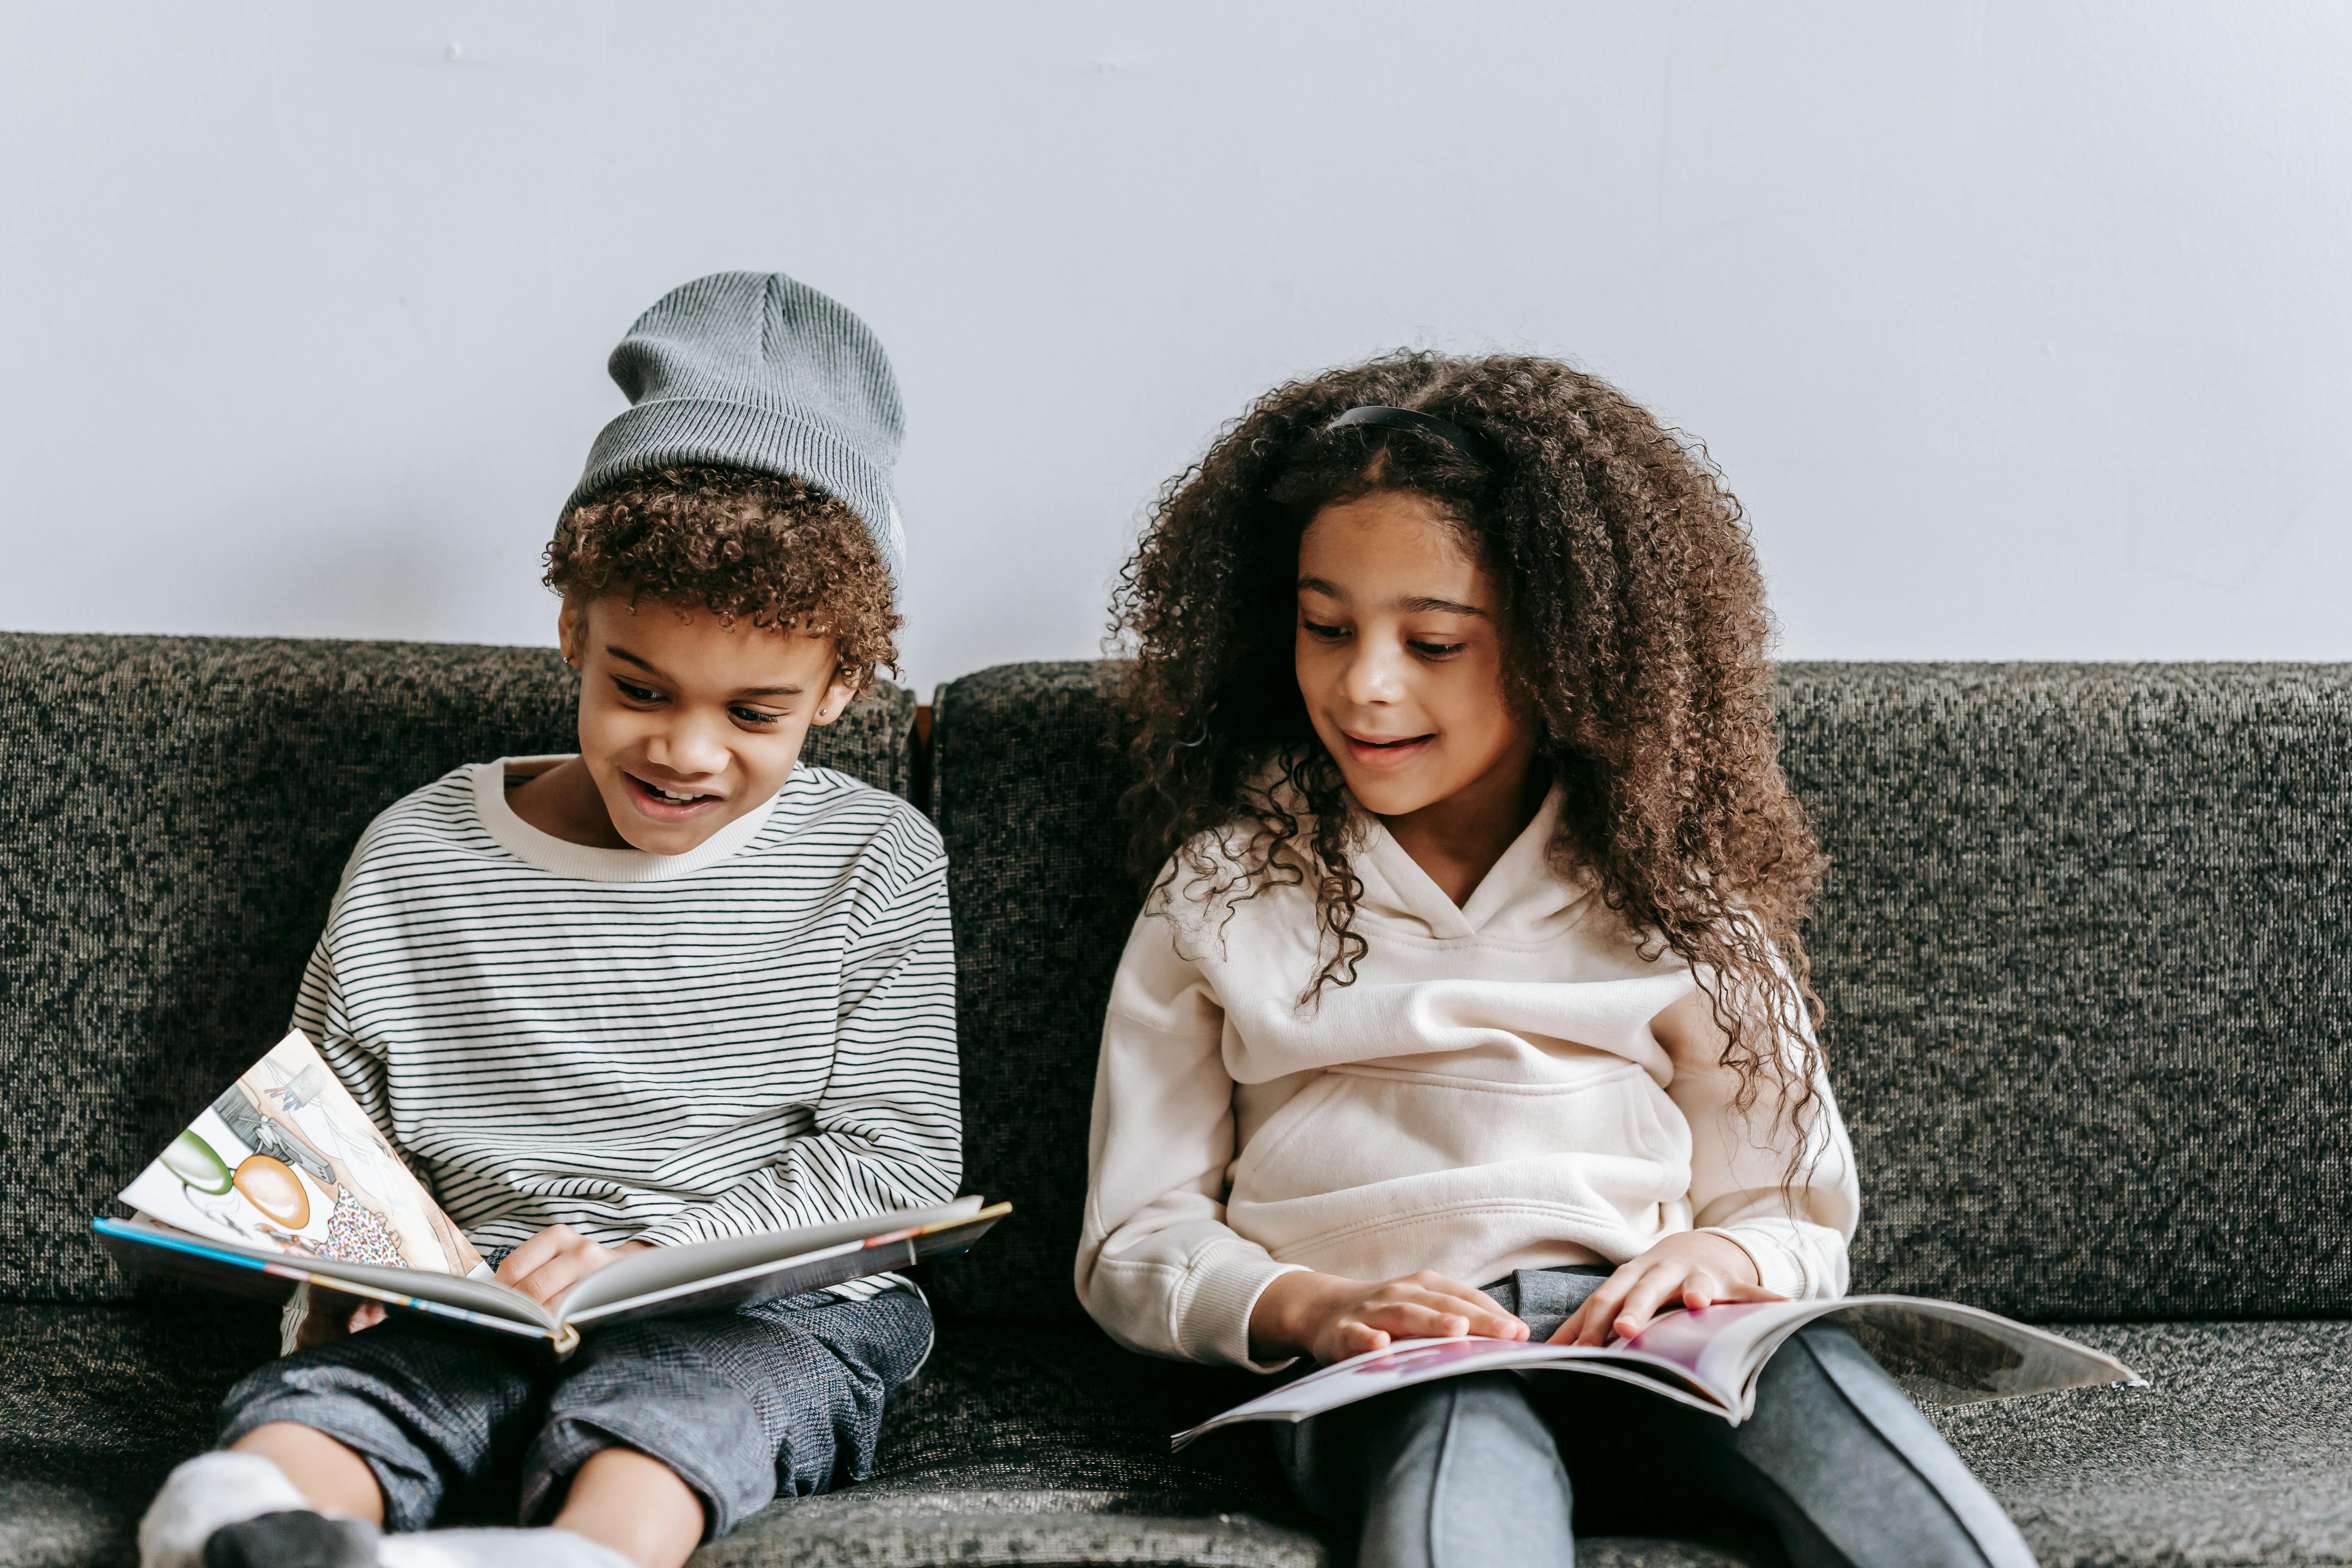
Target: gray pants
783, 1395
1469, 1472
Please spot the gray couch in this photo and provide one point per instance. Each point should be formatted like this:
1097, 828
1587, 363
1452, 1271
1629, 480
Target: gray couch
2087, 953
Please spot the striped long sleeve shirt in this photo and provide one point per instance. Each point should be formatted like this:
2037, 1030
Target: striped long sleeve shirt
755, 1034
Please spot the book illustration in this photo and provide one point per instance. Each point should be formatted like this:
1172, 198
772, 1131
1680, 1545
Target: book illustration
1710, 1358
284, 1181
286, 1159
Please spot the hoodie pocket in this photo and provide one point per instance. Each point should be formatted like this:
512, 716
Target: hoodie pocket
1356, 1127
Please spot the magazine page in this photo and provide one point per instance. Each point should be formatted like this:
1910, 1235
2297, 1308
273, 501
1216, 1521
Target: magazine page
285, 1158
1940, 1351
1949, 1354
1710, 1359
1409, 1361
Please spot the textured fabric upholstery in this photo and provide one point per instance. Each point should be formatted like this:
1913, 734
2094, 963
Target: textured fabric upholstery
1021, 1444
2086, 950
182, 807
2087, 955
1026, 772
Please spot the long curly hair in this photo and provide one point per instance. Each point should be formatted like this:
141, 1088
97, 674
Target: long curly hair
1636, 634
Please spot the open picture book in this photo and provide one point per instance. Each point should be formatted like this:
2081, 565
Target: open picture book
284, 1181
1710, 1359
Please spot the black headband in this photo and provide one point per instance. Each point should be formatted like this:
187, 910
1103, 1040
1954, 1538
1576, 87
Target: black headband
1469, 443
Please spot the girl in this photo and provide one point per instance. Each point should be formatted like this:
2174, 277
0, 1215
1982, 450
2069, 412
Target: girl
1468, 996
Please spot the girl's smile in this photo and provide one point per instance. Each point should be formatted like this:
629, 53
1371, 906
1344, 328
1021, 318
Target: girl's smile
1400, 658
1371, 751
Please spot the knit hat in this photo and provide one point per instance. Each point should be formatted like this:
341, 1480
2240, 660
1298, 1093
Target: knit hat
751, 370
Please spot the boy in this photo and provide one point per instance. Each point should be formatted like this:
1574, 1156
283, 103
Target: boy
672, 988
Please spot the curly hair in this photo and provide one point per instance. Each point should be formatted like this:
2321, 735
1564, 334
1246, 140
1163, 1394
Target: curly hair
1635, 633
778, 552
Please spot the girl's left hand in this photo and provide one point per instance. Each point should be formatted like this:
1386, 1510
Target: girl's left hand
1686, 1270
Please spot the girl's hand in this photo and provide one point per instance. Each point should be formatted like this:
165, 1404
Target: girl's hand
555, 1259
1686, 1270
1330, 1317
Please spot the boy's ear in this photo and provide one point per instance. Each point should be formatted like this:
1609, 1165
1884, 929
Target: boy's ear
572, 629
837, 697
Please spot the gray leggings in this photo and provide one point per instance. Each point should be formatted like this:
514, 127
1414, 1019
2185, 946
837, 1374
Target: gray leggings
1468, 1472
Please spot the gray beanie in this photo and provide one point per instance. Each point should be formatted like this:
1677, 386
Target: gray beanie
751, 370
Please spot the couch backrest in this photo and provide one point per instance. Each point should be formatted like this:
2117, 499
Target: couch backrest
180, 809
2086, 950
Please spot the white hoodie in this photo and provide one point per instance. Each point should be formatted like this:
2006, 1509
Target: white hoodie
1486, 1096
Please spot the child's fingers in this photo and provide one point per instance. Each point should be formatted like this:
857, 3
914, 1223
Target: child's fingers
366, 1315
523, 1260
1641, 1303
1440, 1284
1423, 1319
553, 1278
1485, 1315
1601, 1309
1741, 1290
1702, 1290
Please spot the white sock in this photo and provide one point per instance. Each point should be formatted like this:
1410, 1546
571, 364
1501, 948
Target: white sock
207, 1492
497, 1549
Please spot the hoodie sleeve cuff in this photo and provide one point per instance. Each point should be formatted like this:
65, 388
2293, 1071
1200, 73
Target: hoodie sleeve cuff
1777, 1269
1213, 1318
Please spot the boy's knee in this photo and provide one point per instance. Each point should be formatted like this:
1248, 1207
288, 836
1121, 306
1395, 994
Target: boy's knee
647, 1387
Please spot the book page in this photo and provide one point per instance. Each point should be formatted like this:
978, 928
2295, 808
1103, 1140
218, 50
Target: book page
665, 1270
285, 1158
156, 1246
771, 1279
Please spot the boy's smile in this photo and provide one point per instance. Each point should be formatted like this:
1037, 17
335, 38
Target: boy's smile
686, 723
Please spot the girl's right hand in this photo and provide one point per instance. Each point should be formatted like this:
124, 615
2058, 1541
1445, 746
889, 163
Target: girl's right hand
1330, 1317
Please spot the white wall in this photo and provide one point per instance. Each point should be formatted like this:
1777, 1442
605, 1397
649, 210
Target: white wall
2022, 329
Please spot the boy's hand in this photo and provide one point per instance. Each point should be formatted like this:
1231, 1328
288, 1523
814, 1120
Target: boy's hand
333, 1316
1684, 1270
555, 1259
1330, 1317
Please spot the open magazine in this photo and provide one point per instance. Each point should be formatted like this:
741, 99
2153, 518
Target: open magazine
284, 1181
1710, 1359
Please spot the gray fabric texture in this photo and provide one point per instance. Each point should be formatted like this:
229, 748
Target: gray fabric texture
184, 806
2085, 947
1027, 764
778, 1394
2085, 950
1049, 1444
754, 370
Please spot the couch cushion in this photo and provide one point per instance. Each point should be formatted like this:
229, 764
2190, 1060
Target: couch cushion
2237, 1452
97, 1404
1049, 1445
1027, 771
184, 806
2086, 949
2083, 947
